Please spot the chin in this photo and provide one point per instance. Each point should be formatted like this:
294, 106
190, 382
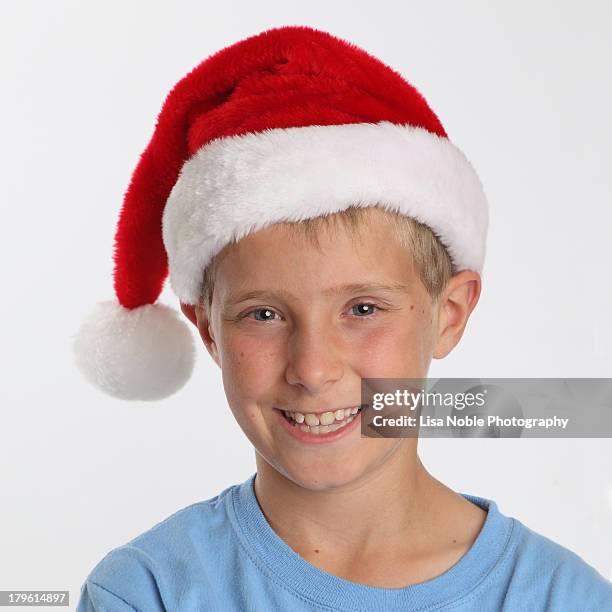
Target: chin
319, 478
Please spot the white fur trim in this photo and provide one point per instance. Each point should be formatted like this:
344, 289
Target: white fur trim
145, 353
237, 185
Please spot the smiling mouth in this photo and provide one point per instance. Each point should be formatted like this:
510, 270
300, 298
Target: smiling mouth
325, 428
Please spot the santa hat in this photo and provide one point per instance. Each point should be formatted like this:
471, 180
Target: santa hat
289, 124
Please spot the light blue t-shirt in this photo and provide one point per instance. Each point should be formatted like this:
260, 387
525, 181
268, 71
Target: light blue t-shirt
221, 554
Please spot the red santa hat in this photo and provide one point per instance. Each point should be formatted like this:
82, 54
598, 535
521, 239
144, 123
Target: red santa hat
289, 124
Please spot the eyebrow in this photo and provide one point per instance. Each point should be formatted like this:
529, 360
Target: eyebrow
330, 292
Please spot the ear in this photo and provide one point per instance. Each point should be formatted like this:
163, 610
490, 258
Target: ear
189, 311
197, 315
454, 309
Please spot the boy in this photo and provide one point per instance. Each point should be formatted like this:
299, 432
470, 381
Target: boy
319, 228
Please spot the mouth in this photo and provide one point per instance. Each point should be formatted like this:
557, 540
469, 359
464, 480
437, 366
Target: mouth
322, 423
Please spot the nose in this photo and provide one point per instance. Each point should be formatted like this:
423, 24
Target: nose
314, 359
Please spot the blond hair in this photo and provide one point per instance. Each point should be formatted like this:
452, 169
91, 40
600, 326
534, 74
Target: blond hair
431, 259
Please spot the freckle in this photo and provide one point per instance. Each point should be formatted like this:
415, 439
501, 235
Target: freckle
454, 541
411, 306
316, 550
241, 354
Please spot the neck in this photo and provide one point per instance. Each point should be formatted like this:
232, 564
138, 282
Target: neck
378, 527
360, 516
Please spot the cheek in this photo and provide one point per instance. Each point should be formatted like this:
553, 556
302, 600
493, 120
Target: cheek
394, 350
248, 363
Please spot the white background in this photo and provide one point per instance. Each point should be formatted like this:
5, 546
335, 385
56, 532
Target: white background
522, 88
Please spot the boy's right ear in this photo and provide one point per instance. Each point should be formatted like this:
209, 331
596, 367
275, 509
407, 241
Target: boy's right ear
189, 310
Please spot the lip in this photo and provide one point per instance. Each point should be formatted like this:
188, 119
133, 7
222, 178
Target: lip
322, 411
310, 438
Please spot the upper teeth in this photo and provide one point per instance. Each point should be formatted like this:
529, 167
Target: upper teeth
325, 418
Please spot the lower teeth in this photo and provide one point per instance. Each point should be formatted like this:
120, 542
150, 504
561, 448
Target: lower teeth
321, 429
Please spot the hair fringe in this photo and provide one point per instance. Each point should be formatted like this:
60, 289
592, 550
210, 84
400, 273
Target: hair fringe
431, 258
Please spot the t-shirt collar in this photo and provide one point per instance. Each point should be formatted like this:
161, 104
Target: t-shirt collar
281, 563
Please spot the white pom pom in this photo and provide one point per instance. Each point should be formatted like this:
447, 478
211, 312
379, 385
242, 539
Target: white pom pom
145, 353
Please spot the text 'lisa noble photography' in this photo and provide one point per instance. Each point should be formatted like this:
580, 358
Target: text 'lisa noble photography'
487, 408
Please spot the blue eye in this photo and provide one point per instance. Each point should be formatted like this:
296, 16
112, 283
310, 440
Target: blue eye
369, 309
266, 310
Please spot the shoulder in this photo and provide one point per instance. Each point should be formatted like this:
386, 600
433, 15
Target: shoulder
569, 581
532, 572
162, 559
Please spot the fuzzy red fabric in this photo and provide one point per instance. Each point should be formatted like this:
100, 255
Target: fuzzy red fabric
285, 77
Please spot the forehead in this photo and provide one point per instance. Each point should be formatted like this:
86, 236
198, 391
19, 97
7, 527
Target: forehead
280, 259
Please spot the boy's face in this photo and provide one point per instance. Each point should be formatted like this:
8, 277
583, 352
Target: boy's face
304, 349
